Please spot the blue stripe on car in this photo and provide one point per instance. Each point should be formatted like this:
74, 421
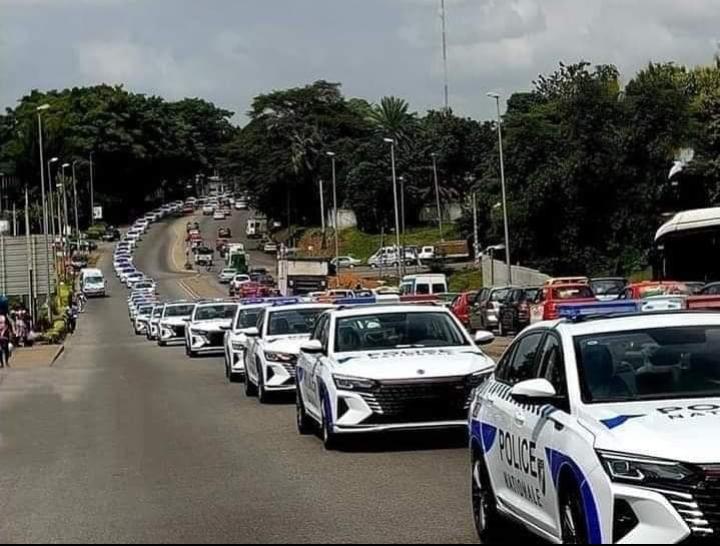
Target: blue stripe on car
619, 421
557, 462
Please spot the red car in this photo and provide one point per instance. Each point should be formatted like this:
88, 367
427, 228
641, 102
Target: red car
253, 289
461, 307
545, 308
648, 289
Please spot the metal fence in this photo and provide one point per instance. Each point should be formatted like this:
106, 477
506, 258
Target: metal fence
24, 266
495, 274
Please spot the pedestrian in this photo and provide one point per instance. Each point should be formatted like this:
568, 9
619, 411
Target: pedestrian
6, 338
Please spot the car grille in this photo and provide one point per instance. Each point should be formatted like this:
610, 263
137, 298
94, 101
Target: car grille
216, 339
445, 399
699, 504
178, 331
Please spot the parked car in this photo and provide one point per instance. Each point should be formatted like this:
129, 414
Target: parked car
462, 306
208, 210
427, 254
545, 307
515, 310
226, 276
608, 288
711, 289
648, 289
270, 247
345, 262
486, 308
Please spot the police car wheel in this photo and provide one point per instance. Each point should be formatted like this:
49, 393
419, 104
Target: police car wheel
572, 518
329, 438
485, 512
263, 395
250, 389
304, 424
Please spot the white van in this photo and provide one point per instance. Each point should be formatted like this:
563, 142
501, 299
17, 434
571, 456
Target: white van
418, 285
388, 257
92, 282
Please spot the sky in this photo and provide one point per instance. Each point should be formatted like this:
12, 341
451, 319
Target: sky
228, 51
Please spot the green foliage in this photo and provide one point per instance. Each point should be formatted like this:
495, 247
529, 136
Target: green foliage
362, 245
465, 280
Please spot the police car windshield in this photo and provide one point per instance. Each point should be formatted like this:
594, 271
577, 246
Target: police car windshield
292, 322
650, 364
179, 310
247, 318
215, 312
157, 312
382, 331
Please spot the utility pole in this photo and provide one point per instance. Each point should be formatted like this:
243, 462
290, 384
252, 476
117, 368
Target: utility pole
437, 197
331, 155
77, 221
39, 111
28, 238
92, 191
402, 220
322, 208
476, 244
399, 251
443, 16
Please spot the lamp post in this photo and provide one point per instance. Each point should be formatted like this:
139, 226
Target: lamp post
77, 221
50, 208
92, 190
400, 252
402, 219
322, 208
332, 157
66, 227
496, 97
40, 110
437, 196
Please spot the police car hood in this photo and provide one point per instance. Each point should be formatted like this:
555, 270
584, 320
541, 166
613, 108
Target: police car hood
681, 430
286, 344
412, 363
211, 325
175, 321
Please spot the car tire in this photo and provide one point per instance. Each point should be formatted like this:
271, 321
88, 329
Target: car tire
484, 504
161, 343
329, 438
572, 515
304, 423
263, 395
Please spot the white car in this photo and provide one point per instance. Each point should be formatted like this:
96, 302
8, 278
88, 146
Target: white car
241, 204
275, 345
236, 342
133, 278
218, 215
602, 429
238, 281
142, 318
226, 276
345, 262
205, 332
270, 247
427, 253
153, 330
173, 322
385, 368
208, 210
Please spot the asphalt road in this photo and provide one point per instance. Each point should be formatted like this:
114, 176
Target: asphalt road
122, 441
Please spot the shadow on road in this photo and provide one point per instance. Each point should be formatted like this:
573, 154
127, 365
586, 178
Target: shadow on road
400, 441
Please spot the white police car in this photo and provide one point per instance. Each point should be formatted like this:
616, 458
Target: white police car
142, 318
603, 430
153, 330
388, 367
173, 322
236, 342
274, 347
205, 332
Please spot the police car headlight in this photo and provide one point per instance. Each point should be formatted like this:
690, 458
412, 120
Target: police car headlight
644, 471
346, 383
478, 378
237, 346
272, 356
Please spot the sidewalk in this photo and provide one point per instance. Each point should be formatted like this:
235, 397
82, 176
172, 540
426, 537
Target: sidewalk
38, 356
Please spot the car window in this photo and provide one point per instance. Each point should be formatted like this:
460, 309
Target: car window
325, 333
317, 329
247, 318
503, 366
422, 288
499, 295
522, 367
438, 288
293, 322
552, 366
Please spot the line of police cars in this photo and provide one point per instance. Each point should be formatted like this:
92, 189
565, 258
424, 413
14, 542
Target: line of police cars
597, 427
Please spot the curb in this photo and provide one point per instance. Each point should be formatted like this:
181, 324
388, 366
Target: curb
58, 354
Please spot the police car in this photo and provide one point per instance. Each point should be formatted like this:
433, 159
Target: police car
142, 318
173, 321
205, 332
602, 429
388, 367
153, 330
236, 342
274, 346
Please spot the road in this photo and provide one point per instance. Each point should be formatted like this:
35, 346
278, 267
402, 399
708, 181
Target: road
122, 441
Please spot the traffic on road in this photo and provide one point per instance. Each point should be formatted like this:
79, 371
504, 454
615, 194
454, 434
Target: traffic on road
594, 426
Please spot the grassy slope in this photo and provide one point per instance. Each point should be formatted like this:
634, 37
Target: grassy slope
363, 245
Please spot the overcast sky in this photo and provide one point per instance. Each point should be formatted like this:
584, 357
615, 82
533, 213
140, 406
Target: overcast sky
227, 51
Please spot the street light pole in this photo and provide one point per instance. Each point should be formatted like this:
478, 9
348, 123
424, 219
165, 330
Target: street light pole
77, 221
92, 191
66, 226
502, 184
402, 219
40, 110
331, 155
322, 209
400, 252
437, 197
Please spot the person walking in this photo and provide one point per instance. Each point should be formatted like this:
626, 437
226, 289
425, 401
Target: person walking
6, 338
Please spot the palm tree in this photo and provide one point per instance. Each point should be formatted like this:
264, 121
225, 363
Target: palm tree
393, 118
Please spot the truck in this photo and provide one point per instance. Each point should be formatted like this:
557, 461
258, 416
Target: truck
300, 276
256, 227
450, 251
236, 258
204, 256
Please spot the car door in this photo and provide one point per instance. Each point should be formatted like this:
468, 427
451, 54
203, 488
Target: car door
311, 392
515, 463
475, 310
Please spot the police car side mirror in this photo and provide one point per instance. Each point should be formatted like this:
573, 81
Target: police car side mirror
534, 391
483, 337
251, 332
312, 347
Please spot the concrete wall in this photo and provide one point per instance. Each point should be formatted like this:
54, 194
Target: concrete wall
521, 276
451, 212
15, 265
346, 218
